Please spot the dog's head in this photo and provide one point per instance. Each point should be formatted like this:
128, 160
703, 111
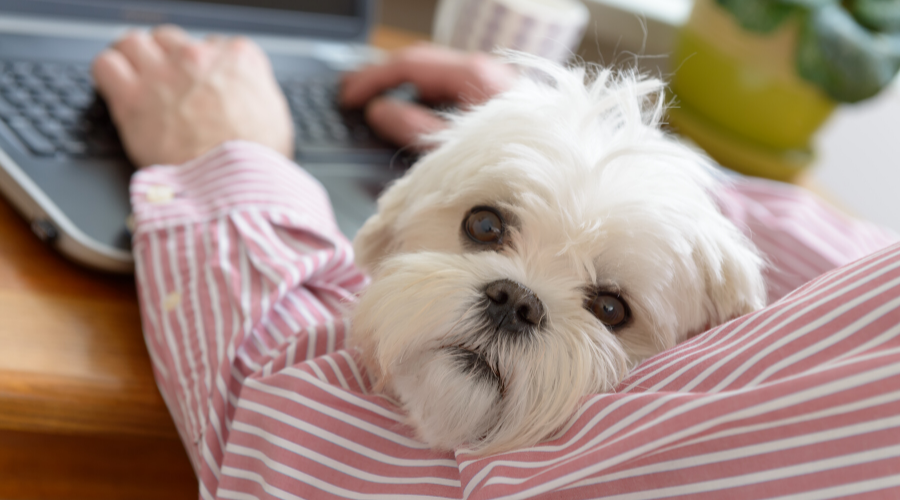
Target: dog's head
553, 239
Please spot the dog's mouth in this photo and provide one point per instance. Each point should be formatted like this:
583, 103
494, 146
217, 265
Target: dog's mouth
474, 364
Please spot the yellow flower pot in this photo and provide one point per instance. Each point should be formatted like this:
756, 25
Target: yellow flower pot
738, 96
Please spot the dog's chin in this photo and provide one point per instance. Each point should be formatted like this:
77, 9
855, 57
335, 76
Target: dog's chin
453, 395
421, 336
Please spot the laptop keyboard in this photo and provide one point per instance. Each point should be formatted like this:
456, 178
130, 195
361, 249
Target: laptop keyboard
54, 112
324, 132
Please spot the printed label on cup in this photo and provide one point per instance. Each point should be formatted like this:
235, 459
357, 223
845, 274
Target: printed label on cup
547, 28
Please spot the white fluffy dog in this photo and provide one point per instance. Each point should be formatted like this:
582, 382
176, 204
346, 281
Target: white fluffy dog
554, 239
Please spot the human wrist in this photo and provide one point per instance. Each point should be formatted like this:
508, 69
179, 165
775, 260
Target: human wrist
235, 175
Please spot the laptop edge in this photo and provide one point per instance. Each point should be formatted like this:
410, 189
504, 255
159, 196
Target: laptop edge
48, 221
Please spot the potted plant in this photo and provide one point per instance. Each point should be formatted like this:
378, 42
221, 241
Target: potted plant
755, 79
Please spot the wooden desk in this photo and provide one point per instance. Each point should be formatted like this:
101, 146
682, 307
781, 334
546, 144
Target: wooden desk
80, 414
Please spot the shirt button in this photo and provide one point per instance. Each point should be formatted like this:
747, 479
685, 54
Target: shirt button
172, 301
160, 194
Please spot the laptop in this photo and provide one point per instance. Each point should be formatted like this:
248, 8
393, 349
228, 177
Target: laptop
61, 163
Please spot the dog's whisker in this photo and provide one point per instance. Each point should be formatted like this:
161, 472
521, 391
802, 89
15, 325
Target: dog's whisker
464, 316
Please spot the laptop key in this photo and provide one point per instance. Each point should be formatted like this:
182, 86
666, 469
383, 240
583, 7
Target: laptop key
7, 110
59, 83
32, 83
67, 115
339, 133
74, 147
49, 70
50, 101
22, 68
78, 99
52, 129
36, 114
331, 153
32, 139
315, 132
44, 94
19, 98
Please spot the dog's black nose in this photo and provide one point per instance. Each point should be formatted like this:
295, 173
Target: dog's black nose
513, 307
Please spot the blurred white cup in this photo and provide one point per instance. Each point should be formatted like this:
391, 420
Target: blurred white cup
548, 28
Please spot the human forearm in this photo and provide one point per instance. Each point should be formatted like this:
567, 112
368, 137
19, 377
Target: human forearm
239, 262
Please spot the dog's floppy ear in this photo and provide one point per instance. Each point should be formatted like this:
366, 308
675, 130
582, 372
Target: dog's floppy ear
732, 272
377, 238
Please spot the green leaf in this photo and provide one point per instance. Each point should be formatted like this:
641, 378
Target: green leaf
807, 4
760, 16
878, 15
842, 58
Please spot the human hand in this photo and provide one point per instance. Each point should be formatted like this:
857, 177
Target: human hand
441, 75
173, 98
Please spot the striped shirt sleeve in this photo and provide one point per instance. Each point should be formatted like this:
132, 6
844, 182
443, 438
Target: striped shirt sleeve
244, 282
241, 272
800, 235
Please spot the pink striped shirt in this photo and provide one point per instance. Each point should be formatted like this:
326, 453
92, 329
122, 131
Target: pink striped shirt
244, 282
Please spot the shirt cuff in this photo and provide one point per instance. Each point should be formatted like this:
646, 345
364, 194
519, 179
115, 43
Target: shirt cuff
235, 175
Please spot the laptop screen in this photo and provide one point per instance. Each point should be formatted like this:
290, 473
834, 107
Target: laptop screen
337, 19
330, 7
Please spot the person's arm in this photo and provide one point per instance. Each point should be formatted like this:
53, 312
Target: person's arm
240, 266
241, 271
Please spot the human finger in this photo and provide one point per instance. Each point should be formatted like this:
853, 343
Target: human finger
402, 122
215, 38
172, 39
114, 75
360, 86
141, 50
244, 46
252, 53
439, 74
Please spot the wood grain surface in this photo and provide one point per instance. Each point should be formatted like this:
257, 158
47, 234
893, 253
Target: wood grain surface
95, 467
80, 414
393, 39
72, 357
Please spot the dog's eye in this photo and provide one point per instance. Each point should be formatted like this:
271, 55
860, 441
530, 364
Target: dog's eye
484, 225
610, 309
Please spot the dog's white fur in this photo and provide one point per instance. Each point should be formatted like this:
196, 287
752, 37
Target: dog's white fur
596, 196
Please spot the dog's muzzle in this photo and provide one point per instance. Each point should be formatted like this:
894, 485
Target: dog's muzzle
512, 307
